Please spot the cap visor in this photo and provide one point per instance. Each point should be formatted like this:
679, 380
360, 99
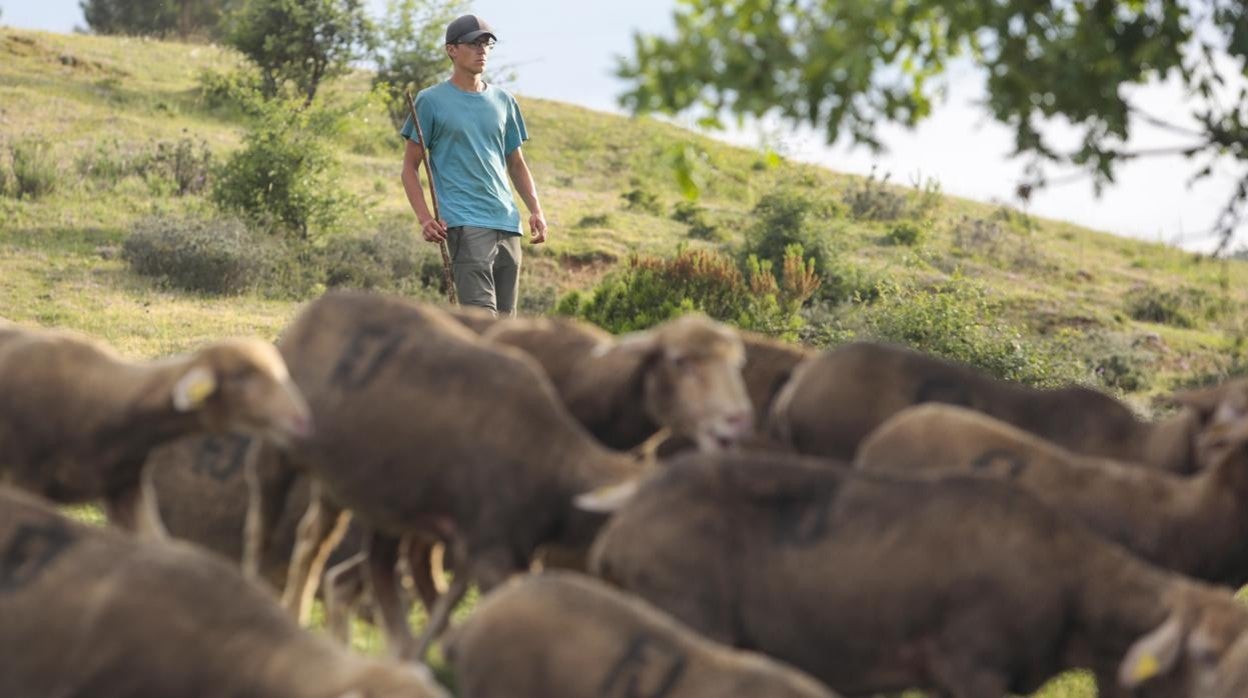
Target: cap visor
473, 36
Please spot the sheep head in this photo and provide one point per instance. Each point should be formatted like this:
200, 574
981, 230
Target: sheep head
1221, 414
243, 385
692, 379
1191, 651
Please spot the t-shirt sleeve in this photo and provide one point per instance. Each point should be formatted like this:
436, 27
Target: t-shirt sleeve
515, 133
424, 109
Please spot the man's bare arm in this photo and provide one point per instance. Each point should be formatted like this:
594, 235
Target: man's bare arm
518, 169
433, 229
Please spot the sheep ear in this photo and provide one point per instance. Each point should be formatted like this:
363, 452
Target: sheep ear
1154, 654
608, 499
195, 386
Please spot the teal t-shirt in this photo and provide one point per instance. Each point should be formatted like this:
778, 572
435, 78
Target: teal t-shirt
470, 135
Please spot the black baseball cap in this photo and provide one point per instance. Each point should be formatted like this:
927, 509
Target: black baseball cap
467, 29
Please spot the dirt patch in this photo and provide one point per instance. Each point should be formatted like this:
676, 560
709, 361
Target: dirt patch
29, 47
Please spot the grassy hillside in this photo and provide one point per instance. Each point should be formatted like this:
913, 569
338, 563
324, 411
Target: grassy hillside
1115, 306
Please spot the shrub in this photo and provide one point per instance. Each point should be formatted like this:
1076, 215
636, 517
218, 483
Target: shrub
182, 163
219, 256
598, 220
786, 217
641, 198
874, 200
7, 186
231, 88
956, 321
905, 233
285, 177
700, 227
34, 169
651, 290
1150, 304
1122, 373
388, 260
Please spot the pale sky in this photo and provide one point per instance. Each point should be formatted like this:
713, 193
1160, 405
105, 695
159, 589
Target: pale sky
565, 50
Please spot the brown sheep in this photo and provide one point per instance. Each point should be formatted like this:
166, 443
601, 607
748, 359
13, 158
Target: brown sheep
683, 375
1194, 524
769, 363
90, 612
203, 497
833, 402
473, 317
873, 584
77, 421
427, 430
563, 635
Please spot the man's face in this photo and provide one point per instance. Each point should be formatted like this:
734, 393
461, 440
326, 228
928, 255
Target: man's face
471, 57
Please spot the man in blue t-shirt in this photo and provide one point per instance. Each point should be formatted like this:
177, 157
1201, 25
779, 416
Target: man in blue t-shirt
474, 131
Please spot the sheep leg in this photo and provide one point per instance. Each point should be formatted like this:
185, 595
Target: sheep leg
133, 509
344, 584
424, 570
269, 481
440, 615
316, 569
382, 556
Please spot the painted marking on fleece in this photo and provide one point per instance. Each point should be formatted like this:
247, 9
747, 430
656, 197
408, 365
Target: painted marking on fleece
364, 355
31, 548
221, 457
650, 667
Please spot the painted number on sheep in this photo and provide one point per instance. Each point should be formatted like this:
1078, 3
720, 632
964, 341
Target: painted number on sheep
800, 521
1000, 461
30, 549
367, 351
650, 667
220, 457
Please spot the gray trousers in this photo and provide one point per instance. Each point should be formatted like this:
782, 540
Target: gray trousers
486, 266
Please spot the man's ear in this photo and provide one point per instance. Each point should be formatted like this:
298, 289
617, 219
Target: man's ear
193, 388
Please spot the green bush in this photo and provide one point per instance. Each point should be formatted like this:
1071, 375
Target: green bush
651, 290
700, 227
642, 199
873, 199
595, 220
956, 321
905, 233
34, 169
285, 178
217, 256
388, 260
787, 217
184, 164
229, 89
1122, 373
7, 185
1151, 304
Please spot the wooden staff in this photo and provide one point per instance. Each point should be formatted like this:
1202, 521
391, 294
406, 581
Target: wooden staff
447, 277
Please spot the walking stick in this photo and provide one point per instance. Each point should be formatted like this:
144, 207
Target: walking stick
447, 277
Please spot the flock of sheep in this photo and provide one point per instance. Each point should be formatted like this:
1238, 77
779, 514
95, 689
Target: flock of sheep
731, 516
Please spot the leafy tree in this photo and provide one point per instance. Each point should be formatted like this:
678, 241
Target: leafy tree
301, 41
848, 65
163, 18
410, 52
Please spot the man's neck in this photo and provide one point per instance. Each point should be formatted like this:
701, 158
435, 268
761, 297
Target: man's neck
468, 82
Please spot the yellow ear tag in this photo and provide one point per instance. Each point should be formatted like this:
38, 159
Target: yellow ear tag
1146, 668
194, 388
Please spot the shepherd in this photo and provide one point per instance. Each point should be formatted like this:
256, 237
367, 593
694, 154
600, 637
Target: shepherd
473, 131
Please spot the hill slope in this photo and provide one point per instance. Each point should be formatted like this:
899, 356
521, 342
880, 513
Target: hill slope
94, 99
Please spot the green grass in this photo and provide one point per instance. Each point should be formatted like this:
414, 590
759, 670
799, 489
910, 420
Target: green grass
59, 261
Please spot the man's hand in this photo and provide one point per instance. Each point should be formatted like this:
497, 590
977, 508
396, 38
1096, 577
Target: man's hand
434, 230
537, 226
